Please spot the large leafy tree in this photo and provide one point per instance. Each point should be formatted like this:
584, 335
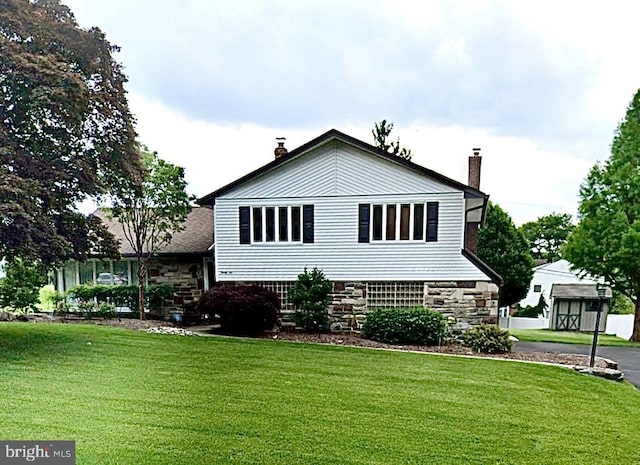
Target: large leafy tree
506, 251
153, 212
20, 286
606, 241
66, 133
547, 235
381, 134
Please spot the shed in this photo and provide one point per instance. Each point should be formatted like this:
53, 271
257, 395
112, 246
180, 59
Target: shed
574, 307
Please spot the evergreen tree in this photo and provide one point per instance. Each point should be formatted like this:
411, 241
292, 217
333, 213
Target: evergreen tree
506, 251
606, 241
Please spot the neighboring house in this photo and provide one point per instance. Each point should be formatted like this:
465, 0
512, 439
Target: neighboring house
545, 276
185, 262
387, 232
574, 307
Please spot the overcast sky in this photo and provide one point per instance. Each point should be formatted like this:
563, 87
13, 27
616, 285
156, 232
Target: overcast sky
540, 86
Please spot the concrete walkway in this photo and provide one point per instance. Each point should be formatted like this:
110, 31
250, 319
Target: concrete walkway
628, 358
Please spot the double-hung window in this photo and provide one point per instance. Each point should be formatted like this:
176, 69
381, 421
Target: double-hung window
398, 222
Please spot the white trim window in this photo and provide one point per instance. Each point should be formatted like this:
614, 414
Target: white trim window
398, 222
276, 224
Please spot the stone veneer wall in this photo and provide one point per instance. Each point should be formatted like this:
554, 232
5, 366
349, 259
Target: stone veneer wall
184, 273
467, 301
473, 302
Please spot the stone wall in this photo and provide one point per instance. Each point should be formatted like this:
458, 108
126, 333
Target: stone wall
184, 273
348, 306
467, 301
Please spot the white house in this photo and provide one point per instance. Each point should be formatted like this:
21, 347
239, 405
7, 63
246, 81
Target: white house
545, 276
386, 231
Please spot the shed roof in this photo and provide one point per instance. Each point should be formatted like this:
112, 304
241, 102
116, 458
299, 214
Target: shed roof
196, 237
577, 291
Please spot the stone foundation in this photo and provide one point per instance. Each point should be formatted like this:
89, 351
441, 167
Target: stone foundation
472, 302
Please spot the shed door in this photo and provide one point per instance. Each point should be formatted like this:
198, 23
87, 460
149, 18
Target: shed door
568, 315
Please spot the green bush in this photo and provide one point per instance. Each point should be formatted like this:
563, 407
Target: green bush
20, 287
156, 294
310, 297
106, 310
532, 311
241, 310
405, 326
86, 308
122, 295
488, 339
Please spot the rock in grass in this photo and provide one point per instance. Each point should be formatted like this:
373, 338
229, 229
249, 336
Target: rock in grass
607, 373
171, 330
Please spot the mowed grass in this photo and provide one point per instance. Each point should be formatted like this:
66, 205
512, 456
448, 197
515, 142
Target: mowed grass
570, 337
136, 398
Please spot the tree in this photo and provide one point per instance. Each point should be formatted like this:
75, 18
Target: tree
310, 296
66, 133
151, 213
381, 132
20, 287
547, 235
506, 251
606, 241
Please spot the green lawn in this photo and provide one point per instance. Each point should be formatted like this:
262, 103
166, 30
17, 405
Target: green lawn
569, 337
136, 398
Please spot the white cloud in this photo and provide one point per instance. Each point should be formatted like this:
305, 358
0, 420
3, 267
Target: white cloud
525, 179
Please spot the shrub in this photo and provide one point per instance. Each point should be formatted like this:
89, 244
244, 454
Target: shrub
310, 297
532, 311
241, 310
405, 326
20, 287
123, 295
48, 297
86, 308
156, 294
488, 339
106, 310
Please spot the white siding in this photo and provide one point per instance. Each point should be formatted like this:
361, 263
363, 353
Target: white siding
546, 276
336, 249
337, 169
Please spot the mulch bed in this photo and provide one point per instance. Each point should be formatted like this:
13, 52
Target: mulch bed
354, 340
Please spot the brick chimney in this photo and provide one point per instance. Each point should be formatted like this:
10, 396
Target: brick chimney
474, 169
471, 229
280, 150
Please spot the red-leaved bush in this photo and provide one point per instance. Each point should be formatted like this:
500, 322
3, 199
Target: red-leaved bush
242, 310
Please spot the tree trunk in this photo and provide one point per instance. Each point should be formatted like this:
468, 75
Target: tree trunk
635, 336
141, 275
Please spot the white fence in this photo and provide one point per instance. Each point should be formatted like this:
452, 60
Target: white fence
620, 325
516, 322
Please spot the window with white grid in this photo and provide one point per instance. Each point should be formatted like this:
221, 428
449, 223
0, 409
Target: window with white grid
282, 289
395, 294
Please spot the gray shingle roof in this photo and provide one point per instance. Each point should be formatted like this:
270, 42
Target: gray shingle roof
197, 236
577, 291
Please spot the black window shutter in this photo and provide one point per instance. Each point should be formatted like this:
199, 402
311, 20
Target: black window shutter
307, 224
432, 221
363, 222
245, 232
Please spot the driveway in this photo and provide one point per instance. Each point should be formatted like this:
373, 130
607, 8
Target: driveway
628, 358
